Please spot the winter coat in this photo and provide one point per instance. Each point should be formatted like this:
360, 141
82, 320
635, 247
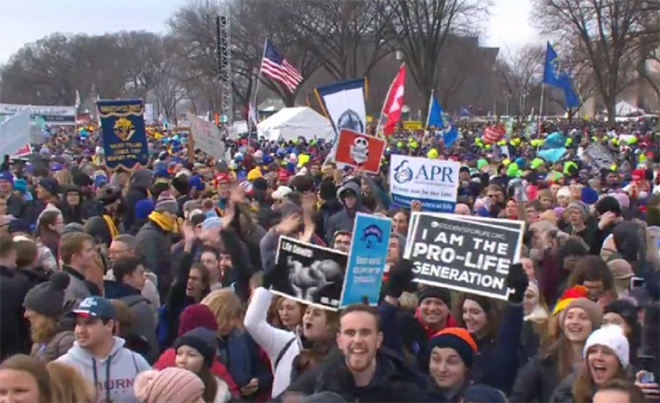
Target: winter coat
144, 314
281, 346
112, 376
240, 354
138, 189
56, 347
564, 392
536, 381
98, 229
497, 360
393, 381
154, 245
529, 342
16, 207
327, 209
168, 359
13, 337
77, 290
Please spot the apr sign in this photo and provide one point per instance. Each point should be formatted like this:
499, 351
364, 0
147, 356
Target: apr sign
432, 182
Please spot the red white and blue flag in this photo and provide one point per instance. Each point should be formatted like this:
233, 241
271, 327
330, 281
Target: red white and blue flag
276, 67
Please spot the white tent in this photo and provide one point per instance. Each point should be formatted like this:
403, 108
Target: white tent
623, 108
292, 123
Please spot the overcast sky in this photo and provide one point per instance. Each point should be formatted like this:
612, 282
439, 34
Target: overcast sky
25, 21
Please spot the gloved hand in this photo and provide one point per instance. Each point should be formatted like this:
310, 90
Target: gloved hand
518, 281
400, 279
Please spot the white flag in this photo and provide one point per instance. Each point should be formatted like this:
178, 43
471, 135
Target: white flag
15, 132
78, 101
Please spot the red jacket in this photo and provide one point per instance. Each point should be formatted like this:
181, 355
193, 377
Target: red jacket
168, 358
451, 322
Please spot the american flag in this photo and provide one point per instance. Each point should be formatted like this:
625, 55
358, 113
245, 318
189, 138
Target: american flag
276, 67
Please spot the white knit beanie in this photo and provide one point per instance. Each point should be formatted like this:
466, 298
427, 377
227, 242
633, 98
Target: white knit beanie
612, 337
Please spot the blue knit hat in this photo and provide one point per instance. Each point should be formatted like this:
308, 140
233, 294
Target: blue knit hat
6, 175
143, 208
20, 185
589, 195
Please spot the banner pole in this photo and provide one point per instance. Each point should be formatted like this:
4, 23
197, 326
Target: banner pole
256, 92
541, 109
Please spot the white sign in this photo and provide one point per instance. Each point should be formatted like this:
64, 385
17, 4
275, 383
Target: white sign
52, 115
149, 114
207, 136
15, 132
432, 182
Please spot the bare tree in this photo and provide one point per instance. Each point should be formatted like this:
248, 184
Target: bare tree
420, 28
346, 36
279, 21
604, 32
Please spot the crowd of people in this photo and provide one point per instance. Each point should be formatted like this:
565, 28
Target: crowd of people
153, 285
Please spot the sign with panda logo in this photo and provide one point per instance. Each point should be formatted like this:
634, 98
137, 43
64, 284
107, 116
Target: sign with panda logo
359, 150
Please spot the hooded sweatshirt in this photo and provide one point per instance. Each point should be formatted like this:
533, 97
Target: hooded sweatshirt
343, 220
113, 375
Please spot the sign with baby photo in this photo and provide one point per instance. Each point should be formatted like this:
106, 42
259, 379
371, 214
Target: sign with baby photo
309, 273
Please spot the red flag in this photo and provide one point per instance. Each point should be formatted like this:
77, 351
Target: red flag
492, 135
391, 112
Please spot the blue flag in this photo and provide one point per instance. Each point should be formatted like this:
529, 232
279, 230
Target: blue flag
450, 135
556, 76
123, 131
436, 113
465, 112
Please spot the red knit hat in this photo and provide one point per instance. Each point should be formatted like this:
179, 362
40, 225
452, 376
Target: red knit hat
195, 316
569, 295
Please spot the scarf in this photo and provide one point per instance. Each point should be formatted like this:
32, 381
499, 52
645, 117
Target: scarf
164, 222
112, 227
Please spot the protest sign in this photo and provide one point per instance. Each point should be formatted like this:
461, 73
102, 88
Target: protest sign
599, 155
309, 273
207, 136
52, 115
359, 150
15, 133
124, 134
366, 259
464, 254
433, 182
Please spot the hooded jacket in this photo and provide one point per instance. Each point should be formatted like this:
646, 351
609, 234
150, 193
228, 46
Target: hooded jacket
112, 376
155, 245
343, 220
144, 314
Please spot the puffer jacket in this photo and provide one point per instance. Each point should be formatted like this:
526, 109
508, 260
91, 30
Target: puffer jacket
57, 346
536, 381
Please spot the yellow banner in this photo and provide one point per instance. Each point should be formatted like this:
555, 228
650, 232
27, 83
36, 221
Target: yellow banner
412, 125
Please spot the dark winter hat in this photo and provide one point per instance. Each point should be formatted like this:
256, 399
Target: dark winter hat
48, 298
202, 340
608, 204
260, 184
51, 185
483, 394
626, 309
458, 339
19, 225
181, 184
435, 292
73, 227
197, 315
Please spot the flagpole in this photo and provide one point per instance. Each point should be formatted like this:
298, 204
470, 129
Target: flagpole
428, 114
256, 90
541, 109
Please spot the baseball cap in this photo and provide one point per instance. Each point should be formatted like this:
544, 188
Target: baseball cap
97, 308
282, 192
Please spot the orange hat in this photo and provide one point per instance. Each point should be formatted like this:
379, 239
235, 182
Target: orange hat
458, 339
569, 295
